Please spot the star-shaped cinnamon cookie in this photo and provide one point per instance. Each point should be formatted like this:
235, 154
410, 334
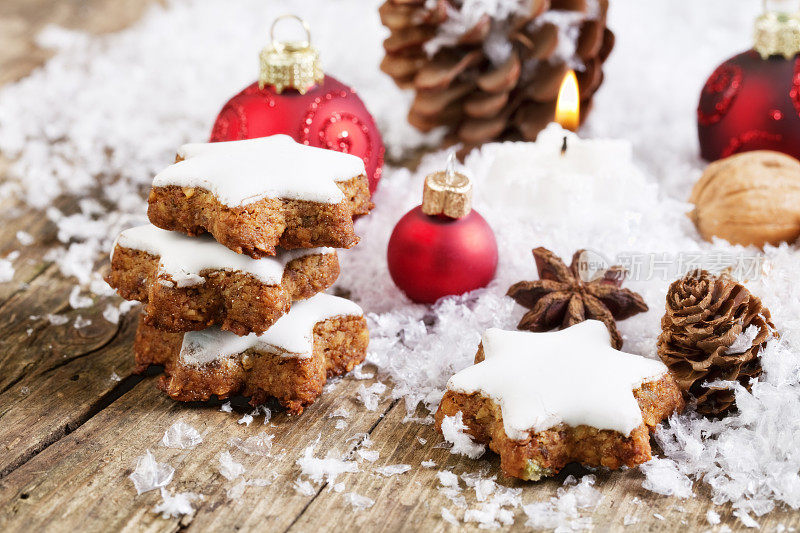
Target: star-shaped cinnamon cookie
254, 194
543, 400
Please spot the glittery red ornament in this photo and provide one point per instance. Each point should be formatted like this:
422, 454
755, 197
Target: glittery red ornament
315, 110
436, 255
752, 100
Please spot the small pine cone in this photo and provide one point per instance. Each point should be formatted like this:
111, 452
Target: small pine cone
714, 329
488, 78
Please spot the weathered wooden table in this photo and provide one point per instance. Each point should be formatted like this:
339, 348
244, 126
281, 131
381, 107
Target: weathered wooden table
70, 433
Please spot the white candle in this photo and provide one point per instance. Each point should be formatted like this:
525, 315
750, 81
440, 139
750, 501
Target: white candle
537, 178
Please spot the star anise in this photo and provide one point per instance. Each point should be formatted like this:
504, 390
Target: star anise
560, 298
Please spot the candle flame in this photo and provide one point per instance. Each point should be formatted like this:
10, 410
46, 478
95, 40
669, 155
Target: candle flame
568, 104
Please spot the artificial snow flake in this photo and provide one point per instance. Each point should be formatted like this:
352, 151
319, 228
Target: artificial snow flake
359, 502
663, 477
111, 314
76, 301
304, 487
392, 470
368, 455
181, 435
423, 420
324, 469
24, 238
371, 396
177, 504
746, 519
448, 516
260, 444
6, 270
453, 429
150, 474
229, 468
57, 320
358, 373
236, 492
496, 502
565, 508
81, 322
447, 478
341, 412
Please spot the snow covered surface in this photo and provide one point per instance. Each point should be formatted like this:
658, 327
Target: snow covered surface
179, 64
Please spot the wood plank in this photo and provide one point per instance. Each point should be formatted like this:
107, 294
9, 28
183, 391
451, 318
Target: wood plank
30, 344
80, 482
45, 404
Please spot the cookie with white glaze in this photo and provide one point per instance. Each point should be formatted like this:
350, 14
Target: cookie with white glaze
544, 400
256, 194
191, 283
319, 338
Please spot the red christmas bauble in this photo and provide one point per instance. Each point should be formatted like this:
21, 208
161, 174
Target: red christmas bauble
330, 115
431, 256
750, 103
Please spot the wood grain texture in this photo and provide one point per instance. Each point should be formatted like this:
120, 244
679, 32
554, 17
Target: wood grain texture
80, 482
70, 435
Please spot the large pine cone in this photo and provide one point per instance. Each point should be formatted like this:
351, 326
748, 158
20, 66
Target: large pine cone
702, 338
488, 78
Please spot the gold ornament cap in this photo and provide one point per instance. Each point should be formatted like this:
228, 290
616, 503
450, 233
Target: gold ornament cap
447, 193
777, 30
290, 64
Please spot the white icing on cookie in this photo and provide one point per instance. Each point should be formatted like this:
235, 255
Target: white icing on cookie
183, 258
292, 335
572, 376
240, 172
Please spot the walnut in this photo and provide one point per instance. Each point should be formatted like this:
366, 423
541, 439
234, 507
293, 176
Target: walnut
749, 198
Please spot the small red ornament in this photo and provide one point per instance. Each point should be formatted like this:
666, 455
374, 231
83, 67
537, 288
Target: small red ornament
752, 100
442, 247
316, 110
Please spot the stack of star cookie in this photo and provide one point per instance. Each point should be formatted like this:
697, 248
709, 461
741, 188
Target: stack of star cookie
230, 271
